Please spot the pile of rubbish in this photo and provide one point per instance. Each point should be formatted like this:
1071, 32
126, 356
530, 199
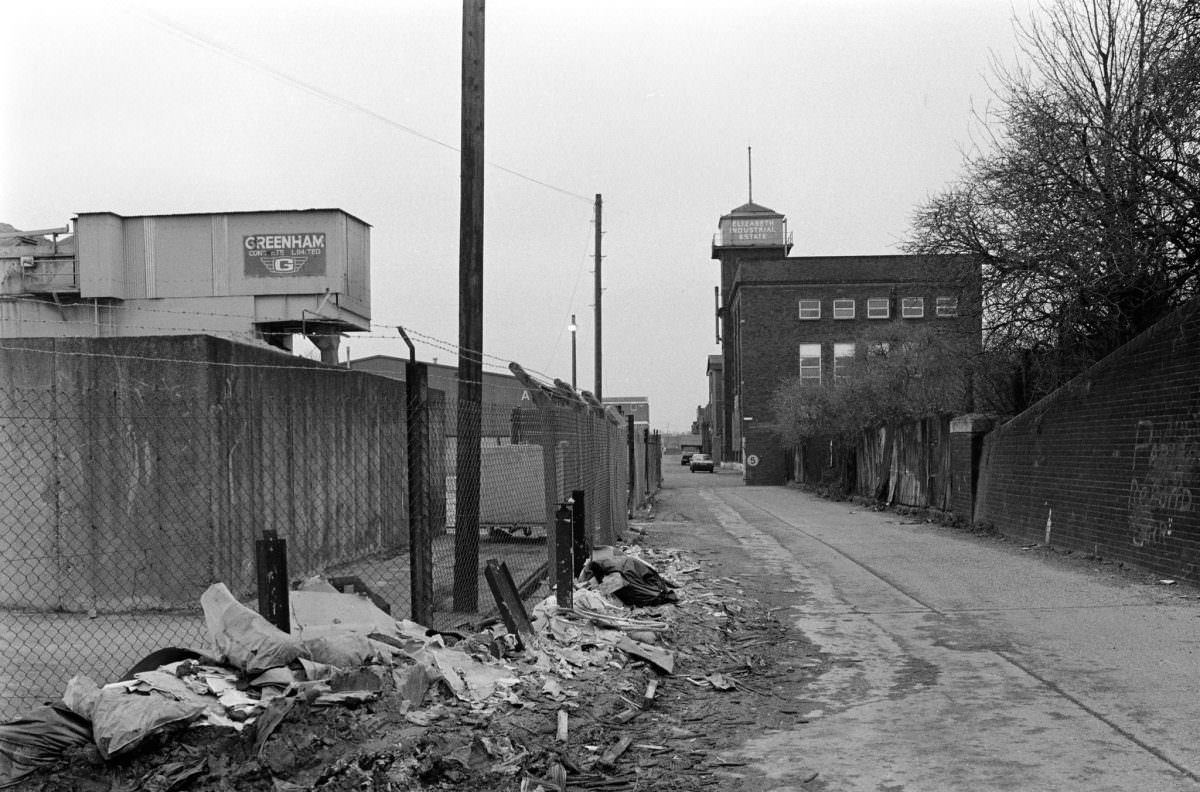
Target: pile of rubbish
344, 652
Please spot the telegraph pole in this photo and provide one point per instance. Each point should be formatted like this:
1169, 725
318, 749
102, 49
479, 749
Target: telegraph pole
599, 335
470, 314
574, 327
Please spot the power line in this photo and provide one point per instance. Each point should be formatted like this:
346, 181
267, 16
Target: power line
579, 270
211, 44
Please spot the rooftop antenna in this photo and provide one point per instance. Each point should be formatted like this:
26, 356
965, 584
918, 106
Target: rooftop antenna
750, 172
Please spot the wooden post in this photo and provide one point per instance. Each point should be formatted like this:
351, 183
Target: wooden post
470, 314
599, 392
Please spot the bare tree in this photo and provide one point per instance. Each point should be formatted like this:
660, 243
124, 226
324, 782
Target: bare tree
903, 372
1083, 210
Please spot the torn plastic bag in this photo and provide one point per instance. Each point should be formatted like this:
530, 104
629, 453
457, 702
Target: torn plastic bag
346, 650
643, 585
122, 720
39, 739
243, 637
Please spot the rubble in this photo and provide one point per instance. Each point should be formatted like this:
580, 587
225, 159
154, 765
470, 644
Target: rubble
604, 696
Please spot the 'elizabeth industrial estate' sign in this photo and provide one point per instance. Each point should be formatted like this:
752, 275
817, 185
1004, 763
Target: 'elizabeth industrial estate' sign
756, 230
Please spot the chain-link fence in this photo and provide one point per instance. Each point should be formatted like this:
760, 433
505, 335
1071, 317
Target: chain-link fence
532, 457
134, 476
135, 473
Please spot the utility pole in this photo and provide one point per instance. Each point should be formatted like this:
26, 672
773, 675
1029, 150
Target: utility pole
470, 314
574, 327
599, 335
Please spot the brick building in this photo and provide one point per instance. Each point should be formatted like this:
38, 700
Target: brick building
781, 317
713, 426
637, 406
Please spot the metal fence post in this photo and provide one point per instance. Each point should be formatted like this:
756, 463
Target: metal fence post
631, 442
420, 534
646, 461
564, 575
579, 529
270, 555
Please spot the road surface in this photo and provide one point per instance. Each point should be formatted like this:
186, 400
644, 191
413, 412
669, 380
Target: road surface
955, 662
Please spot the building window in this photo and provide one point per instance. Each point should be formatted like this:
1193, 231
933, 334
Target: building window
947, 306
843, 309
843, 358
810, 364
913, 308
878, 308
810, 309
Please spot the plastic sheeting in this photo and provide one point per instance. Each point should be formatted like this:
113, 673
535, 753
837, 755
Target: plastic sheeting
38, 739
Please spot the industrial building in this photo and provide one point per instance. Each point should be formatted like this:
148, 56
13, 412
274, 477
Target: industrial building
780, 317
637, 406
261, 275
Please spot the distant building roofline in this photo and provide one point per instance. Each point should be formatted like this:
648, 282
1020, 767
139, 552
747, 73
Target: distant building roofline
226, 212
751, 208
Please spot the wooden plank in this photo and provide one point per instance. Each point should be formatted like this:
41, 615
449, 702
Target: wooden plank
508, 600
612, 754
561, 734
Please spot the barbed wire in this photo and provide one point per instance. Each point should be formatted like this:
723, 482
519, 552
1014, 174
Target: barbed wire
385, 332
285, 362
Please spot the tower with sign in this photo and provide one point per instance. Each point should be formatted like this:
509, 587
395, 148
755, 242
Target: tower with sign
748, 233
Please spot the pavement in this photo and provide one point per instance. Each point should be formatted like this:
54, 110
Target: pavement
955, 661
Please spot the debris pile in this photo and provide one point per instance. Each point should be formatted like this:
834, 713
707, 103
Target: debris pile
639, 682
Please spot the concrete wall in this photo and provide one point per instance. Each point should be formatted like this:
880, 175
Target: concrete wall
501, 392
1109, 464
137, 471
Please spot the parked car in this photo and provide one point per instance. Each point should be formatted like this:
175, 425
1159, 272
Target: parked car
686, 457
701, 462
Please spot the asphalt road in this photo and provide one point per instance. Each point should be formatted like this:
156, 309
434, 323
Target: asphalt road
955, 662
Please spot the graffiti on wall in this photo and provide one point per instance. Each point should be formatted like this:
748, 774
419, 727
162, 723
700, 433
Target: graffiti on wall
1165, 472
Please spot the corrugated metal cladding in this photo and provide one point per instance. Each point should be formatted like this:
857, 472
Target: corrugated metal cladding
312, 251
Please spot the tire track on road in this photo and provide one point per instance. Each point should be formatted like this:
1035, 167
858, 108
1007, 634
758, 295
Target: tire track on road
1007, 656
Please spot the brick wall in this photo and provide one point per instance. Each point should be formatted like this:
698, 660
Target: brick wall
1109, 464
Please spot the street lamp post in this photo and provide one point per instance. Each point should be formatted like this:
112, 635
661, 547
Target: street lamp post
572, 328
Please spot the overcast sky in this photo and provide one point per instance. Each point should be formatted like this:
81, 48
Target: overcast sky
857, 110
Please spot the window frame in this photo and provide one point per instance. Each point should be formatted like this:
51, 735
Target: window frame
849, 358
802, 307
887, 307
949, 303
844, 300
914, 312
801, 357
